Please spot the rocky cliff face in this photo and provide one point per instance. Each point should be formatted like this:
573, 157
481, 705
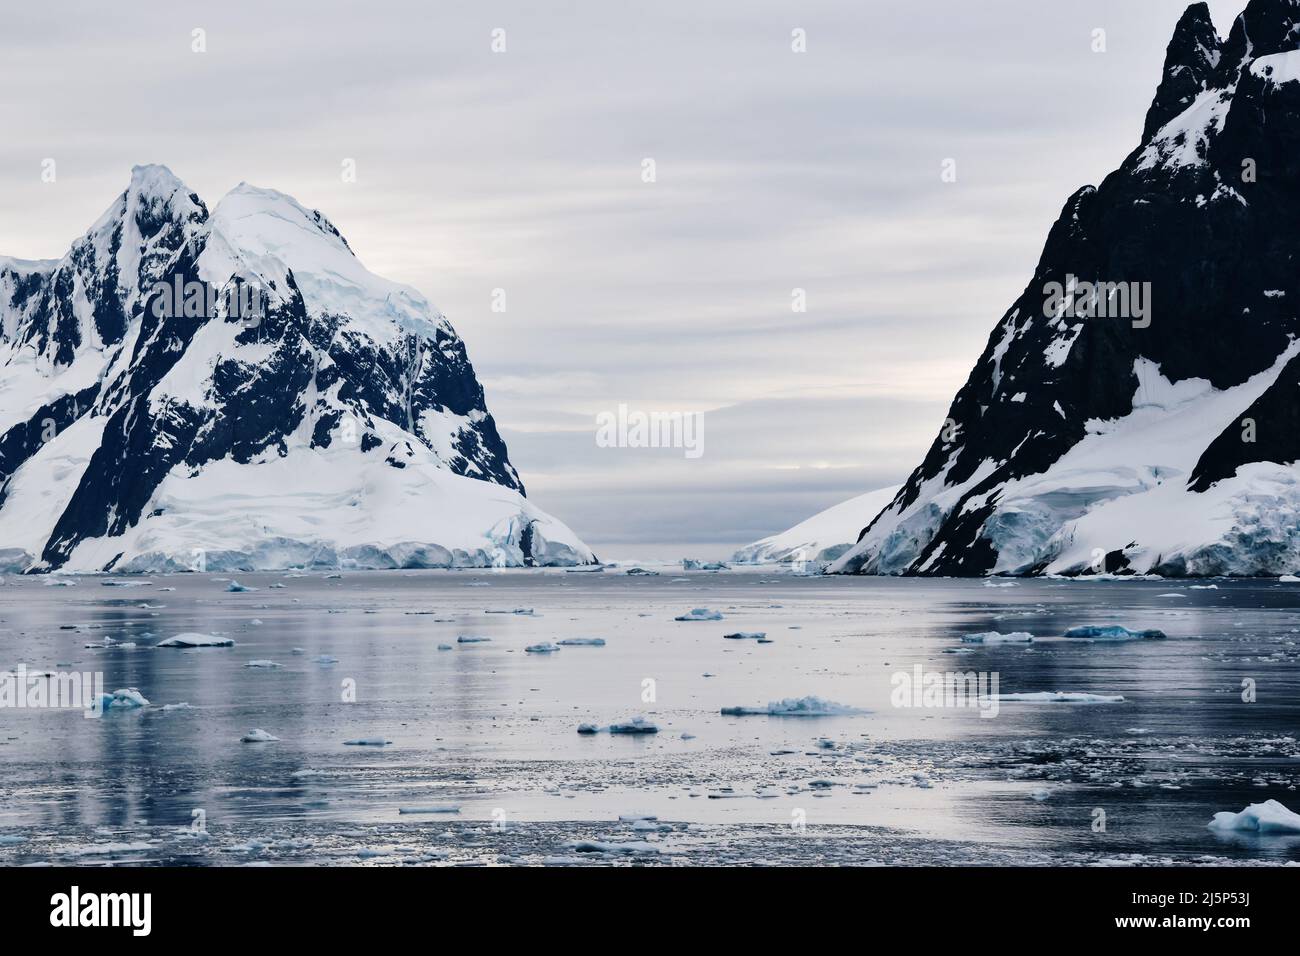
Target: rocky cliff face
145, 429
1135, 409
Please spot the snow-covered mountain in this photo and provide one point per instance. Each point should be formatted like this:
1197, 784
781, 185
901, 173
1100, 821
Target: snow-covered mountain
819, 540
345, 429
1164, 438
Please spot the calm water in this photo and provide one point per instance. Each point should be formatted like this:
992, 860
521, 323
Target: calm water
491, 729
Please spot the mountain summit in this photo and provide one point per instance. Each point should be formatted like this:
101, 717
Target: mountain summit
1137, 409
148, 424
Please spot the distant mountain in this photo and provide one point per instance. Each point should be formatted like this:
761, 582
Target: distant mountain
1137, 409
146, 430
821, 539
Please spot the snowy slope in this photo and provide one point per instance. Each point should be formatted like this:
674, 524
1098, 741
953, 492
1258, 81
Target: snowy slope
345, 429
823, 537
1167, 443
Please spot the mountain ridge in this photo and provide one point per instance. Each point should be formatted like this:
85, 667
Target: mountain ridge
114, 413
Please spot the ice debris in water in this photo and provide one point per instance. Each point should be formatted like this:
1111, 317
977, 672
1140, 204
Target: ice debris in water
1059, 697
582, 642
191, 639
746, 636
637, 725
793, 707
263, 663
436, 808
367, 742
993, 637
325, 659
634, 848
1267, 817
127, 697
463, 639
546, 647
257, 736
1114, 632
236, 587
699, 614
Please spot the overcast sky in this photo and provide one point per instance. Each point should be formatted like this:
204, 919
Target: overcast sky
522, 170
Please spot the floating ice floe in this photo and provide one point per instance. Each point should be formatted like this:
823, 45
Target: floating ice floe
367, 742
582, 642
113, 583
633, 848
637, 725
546, 647
699, 614
183, 705
325, 659
521, 611
463, 639
257, 736
263, 663
109, 642
436, 808
639, 572
990, 583
694, 564
191, 639
1058, 697
794, 707
236, 587
1267, 817
444, 647
1113, 632
123, 698
760, 636
994, 637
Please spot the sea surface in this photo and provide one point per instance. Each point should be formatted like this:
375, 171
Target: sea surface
482, 749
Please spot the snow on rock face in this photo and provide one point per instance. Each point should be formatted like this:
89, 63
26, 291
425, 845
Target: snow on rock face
346, 428
822, 538
1164, 439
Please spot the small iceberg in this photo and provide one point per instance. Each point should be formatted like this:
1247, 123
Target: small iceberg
794, 707
699, 614
1114, 632
993, 637
235, 587
521, 611
191, 639
694, 564
436, 808
1058, 697
747, 636
637, 725
1267, 817
324, 659
546, 647
125, 698
634, 848
263, 663
582, 642
257, 736
463, 639
367, 742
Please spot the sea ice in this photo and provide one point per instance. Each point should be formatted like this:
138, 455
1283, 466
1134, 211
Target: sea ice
746, 636
1114, 632
582, 642
700, 614
546, 647
637, 725
191, 639
472, 640
993, 637
257, 736
434, 808
1267, 817
124, 698
367, 742
236, 587
1059, 697
793, 707
263, 663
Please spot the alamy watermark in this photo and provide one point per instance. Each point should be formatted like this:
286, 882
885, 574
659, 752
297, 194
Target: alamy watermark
940, 689
636, 429
195, 299
52, 690
1080, 299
